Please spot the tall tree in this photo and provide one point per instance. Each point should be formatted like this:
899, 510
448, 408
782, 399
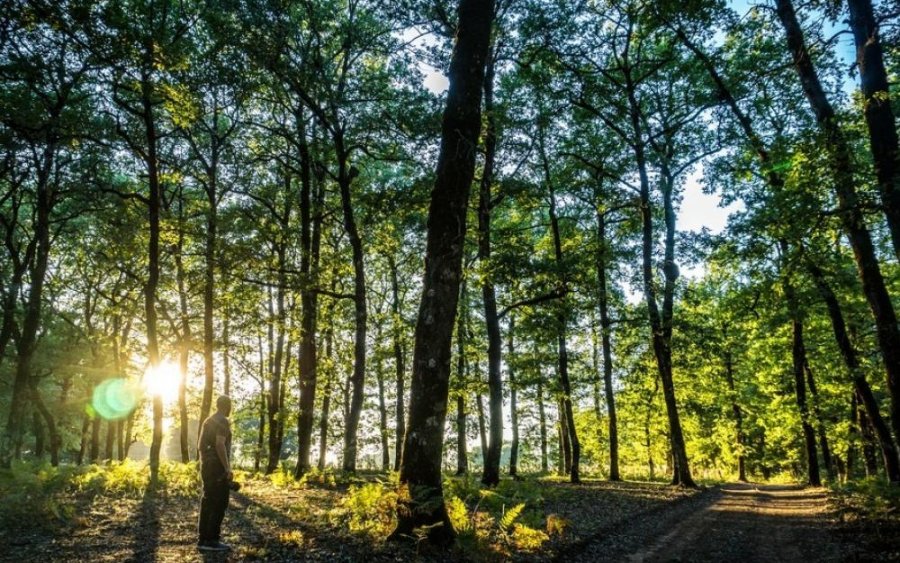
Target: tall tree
422, 503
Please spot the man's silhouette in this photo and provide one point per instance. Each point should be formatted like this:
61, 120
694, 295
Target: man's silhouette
215, 469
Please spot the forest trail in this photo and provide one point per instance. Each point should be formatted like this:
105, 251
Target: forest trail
736, 522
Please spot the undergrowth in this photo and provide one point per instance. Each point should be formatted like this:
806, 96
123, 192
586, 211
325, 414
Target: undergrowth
40, 493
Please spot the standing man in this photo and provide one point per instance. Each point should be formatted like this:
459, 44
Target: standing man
215, 469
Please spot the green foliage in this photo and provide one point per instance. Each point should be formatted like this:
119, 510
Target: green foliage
872, 500
33, 493
370, 509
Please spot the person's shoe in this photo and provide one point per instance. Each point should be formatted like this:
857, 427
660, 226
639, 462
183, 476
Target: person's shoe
213, 546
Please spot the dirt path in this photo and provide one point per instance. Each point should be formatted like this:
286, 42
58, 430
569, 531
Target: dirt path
737, 522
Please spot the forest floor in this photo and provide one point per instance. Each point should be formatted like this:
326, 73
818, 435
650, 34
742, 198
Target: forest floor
595, 521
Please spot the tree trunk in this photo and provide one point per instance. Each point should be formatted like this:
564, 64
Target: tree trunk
358, 380
850, 213
462, 453
738, 417
27, 338
275, 369
862, 389
38, 429
399, 360
55, 438
798, 355
382, 406
868, 443
570, 438
482, 427
209, 284
327, 389
420, 468
185, 344
820, 423
513, 400
603, 260
565, 445
491, 472
878, 113
310, 240
542, 414
226, 355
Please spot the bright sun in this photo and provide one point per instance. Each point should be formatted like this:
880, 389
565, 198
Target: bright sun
163, 381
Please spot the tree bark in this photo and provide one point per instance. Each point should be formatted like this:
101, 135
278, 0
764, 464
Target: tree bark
420, 468
358, 379
738, 417
184, 348
878, 112
851, 216
310, 240
275, 368
603, 259
513, 400
851, 359
798, 356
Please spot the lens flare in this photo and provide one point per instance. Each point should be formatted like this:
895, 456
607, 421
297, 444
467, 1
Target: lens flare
114, 398
163, 381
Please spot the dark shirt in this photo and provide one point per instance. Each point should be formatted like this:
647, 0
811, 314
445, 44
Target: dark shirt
214, 426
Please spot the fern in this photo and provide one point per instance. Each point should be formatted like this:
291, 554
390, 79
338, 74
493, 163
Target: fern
510, 516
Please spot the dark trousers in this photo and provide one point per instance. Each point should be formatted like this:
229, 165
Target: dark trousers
213, 503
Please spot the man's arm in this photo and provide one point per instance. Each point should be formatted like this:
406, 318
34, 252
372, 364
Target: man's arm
222, 452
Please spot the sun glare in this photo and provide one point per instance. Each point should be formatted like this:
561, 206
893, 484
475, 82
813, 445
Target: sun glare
163, 381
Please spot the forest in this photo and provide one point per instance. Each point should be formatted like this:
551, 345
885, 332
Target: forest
461, 265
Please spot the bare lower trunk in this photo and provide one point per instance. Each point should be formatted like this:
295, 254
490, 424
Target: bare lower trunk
420, 468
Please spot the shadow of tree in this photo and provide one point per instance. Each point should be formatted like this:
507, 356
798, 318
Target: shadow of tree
145, 526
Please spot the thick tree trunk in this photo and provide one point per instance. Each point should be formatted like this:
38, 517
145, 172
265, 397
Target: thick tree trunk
420, 469
310, 240
877, 109
852, 218
862, 389
603, 259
